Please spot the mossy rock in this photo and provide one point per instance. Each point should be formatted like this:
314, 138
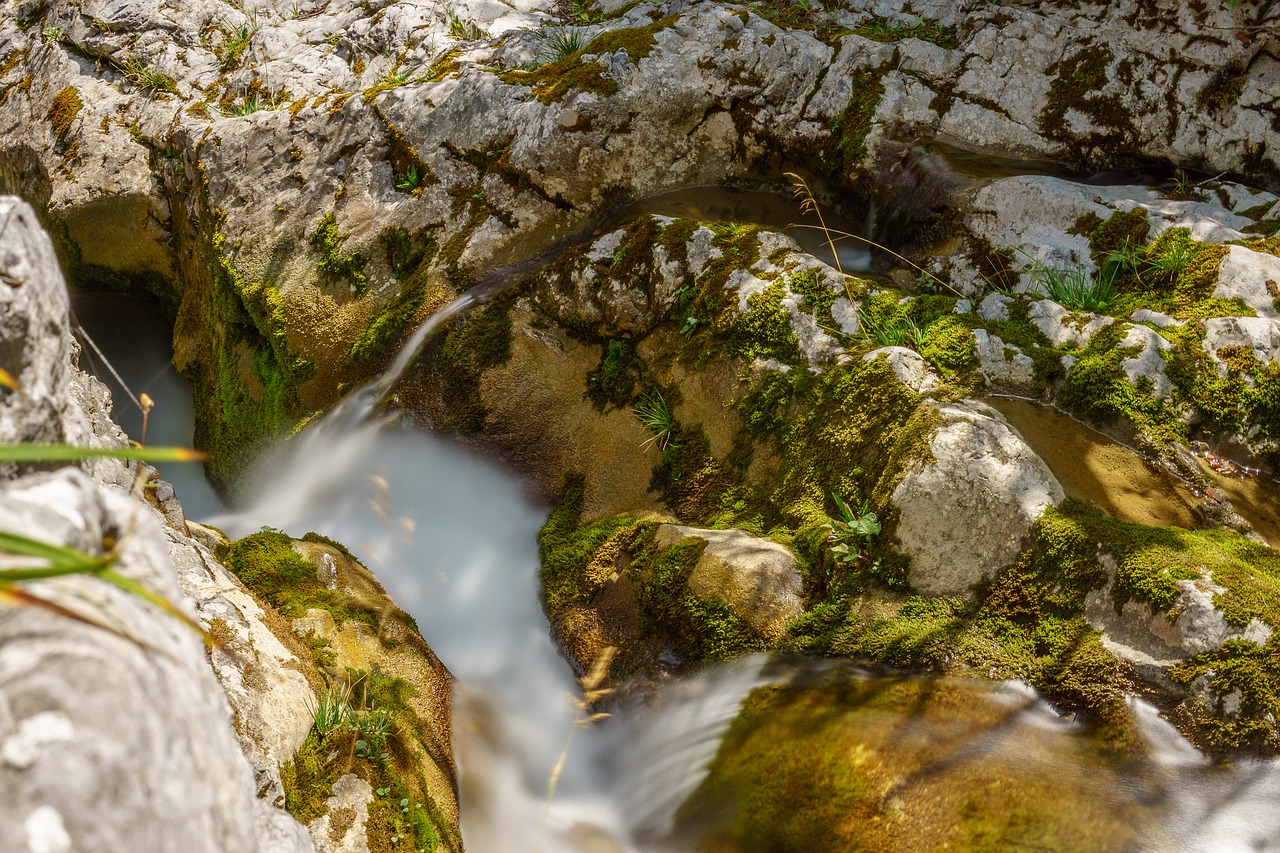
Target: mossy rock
846, 762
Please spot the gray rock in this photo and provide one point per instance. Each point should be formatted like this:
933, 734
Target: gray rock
1147, 367
908, 365
1065, 328
1260, 334
966, 514
125, 722
1003, 366
1253, 277
994, 307
1155, 318
754, 577
352, 796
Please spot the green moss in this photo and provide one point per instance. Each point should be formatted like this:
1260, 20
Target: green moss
843, 763
1224, 89
1120, 230
849, 129
478, 342
879, 29
309, 778
695, 629
614, 382
1248, 674
63, 111
570, 553
328, 240
379, 339
551, 82
949, 346
267, 564
764, 330
1077, 80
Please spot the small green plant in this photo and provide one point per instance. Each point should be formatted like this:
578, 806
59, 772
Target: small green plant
51, 35
409, 180
464, 30
558, 43
895, 329
230, 51
148, 76
850, 536
333, 710
653, 412
1073, 288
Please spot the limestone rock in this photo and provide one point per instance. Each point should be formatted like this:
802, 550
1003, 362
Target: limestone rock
756, 578
1003, 366
908, 366
1253, 277
967, 514
1063, 327
126, 722
1260, 334
342, 828
1147, 366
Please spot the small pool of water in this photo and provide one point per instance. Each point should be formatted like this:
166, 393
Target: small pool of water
135, 338
1093, 468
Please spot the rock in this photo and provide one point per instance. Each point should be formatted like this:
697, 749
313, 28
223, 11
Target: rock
1259, 334
1065, 328
1252, 277
908, 365
134, 703
1155, 318
1003, 366
342, 828
994, 307
756, 578
136, 680
967, 514
1152, 641
1147, 367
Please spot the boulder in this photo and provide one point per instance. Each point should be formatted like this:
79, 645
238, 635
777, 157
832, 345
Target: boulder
756, 578
969, 511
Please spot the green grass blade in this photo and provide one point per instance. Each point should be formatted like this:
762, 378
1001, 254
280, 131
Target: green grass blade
64, 560
71, 453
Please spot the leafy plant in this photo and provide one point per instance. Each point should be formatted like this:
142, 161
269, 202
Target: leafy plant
51, 35
656, 416
230, 51
410, 180
333, 710
852, 533
464, 30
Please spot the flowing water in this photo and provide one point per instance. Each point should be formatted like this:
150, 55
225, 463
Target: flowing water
459, 551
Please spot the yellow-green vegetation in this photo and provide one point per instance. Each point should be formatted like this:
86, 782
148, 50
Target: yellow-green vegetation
328, 240
1224, 89
409, 258
849, 129
248, 390
274, 573
366, 721
878, 28
551, 82
843, 762
1247, 673
63, 111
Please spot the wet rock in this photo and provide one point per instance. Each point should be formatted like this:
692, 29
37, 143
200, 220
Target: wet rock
756, 578
968, 513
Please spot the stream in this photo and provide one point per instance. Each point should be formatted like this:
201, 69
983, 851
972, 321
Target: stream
454, 540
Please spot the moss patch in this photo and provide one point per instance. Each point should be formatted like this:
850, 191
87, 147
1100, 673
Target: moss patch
328, 240
63, 111
273, 571
478, 342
